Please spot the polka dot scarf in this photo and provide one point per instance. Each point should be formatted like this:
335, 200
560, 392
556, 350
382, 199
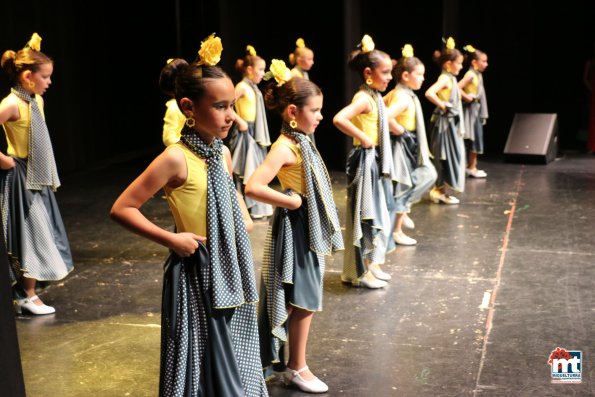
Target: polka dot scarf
41, 165
323, 221
386, 157
232, 271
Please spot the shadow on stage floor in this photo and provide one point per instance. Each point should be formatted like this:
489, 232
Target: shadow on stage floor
493, 286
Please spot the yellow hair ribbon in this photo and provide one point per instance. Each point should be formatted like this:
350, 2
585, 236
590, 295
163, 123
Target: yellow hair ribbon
367, 44
300, 43
407, 51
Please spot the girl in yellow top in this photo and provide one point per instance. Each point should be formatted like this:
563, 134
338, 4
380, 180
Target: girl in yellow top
410, 145
174, 119
35, 237
370, 170
249, 146
447, 130
209, 334
304, 229
475, 107
302, 59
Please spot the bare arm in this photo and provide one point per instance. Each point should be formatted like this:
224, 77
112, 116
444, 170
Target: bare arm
258, 188
342, 120
169, 168
433, 97
9, 111
462, 84
394, 109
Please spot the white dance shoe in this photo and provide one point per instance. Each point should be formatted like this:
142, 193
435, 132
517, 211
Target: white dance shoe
437, 197
475, 173
28, 305
408, 222
315, 385
403, 239
375, 269
368, 280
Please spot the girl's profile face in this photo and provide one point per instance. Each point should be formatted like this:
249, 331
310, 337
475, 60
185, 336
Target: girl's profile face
381, 74
309, 116
41, 79
214, 112
481, 63
306, 60
415, 78
258, 70
455, 66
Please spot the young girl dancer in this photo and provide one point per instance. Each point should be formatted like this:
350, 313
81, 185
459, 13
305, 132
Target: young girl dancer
370, 170
447, 131
304, 229
410, 143
209, 334
249, 147
475, 107
302, 58
34, 233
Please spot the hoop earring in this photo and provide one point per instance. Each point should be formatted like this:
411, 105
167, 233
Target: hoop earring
293, 124
190, 122
369, 81
31, 84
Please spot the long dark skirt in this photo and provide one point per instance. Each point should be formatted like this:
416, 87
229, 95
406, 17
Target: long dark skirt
369, 208
448, 148
423, 176
473, 127
36, 239
292, 274
205, 351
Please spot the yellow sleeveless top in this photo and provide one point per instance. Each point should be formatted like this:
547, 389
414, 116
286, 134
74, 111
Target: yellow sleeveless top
407, 117
246, 105
473, 86
444, 93
17, 132
173, 122
367, 122
188, 202
292, 176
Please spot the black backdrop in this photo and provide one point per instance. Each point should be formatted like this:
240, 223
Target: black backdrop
104, 104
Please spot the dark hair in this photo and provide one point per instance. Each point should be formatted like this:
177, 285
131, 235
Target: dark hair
191, 80
167, 78
15, 63
248, 60
296, 92
359, 60
405, 65
447, 54
472, 56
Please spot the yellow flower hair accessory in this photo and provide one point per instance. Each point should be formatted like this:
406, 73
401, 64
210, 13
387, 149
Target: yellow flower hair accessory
469, 48
367, 44
279, 71
210, 51
300, 43
35, 42
407, 51
250, 50
450, 43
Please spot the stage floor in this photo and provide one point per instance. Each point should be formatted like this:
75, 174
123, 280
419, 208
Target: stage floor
494, 285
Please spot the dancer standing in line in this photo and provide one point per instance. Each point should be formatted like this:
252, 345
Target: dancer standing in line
249, 146
209, 332
410, 145
447, 130
475, 107
302, 59
370, 170
174, 119
304, 228
36, 240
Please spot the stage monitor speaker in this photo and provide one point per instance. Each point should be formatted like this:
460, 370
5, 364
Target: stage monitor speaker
533, 137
